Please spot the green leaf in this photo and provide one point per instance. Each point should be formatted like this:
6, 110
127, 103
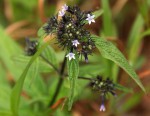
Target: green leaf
109, 51
133, 54
16, 92
109, 28
130, 102
87, 68
5, 113
73, 72
41, 33
35, 70
98, 13
144, 10
50, 55
22, 60
5, 91
8, 52
122, 88
135, 31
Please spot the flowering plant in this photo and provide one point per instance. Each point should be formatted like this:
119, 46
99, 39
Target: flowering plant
71, 35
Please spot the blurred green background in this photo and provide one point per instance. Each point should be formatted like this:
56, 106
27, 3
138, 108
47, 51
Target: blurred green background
126, 23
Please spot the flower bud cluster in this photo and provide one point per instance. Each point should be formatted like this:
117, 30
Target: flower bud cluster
70, 31
31, 47
103, 87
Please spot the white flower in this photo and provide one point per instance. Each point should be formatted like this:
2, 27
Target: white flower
90, 18
71, 56
61, 13
102, 108
75, 43
64, 7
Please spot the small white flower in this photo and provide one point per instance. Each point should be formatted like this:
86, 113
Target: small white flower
75, 43
102, 108
61, 13
90, 18
71, 56
64, 7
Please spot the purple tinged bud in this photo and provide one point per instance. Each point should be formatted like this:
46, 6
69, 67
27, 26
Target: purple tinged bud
102, 108
86, 60
86, 57
113, 93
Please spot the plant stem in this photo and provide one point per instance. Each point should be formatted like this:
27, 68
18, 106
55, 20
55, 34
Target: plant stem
85, 78
60, 82
61, 75
50, 64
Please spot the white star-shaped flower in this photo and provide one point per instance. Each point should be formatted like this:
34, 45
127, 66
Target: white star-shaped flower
61, 13
102, 108
64, 7
71, 56
90, 18
75, 43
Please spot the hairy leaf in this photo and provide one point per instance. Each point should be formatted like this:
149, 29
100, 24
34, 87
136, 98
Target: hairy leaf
73, 72
109, 51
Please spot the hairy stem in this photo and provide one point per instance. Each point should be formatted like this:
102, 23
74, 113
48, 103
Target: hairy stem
61, 75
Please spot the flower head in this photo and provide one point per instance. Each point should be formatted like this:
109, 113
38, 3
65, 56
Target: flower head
90, 18
70, 31
61, 13
71, 56
104, 87
75, 43
102, 107
64, 7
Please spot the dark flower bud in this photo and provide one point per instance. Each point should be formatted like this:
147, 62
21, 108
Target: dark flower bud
31, 47
103, 87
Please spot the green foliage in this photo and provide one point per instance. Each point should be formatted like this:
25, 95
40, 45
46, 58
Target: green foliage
109, 29
73, 72
26, 9
98, 13
144, 10
5, 113
49, 54
122, 88
109, 51
132, 101
135, 31
39, 76
136, 44
108, 25
9, 52
16, 92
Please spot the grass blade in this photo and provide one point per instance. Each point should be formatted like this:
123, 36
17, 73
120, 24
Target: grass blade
16, 92
108, 26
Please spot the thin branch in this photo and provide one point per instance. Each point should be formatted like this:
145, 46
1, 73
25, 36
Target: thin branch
59, 84
50, 64
85, 78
